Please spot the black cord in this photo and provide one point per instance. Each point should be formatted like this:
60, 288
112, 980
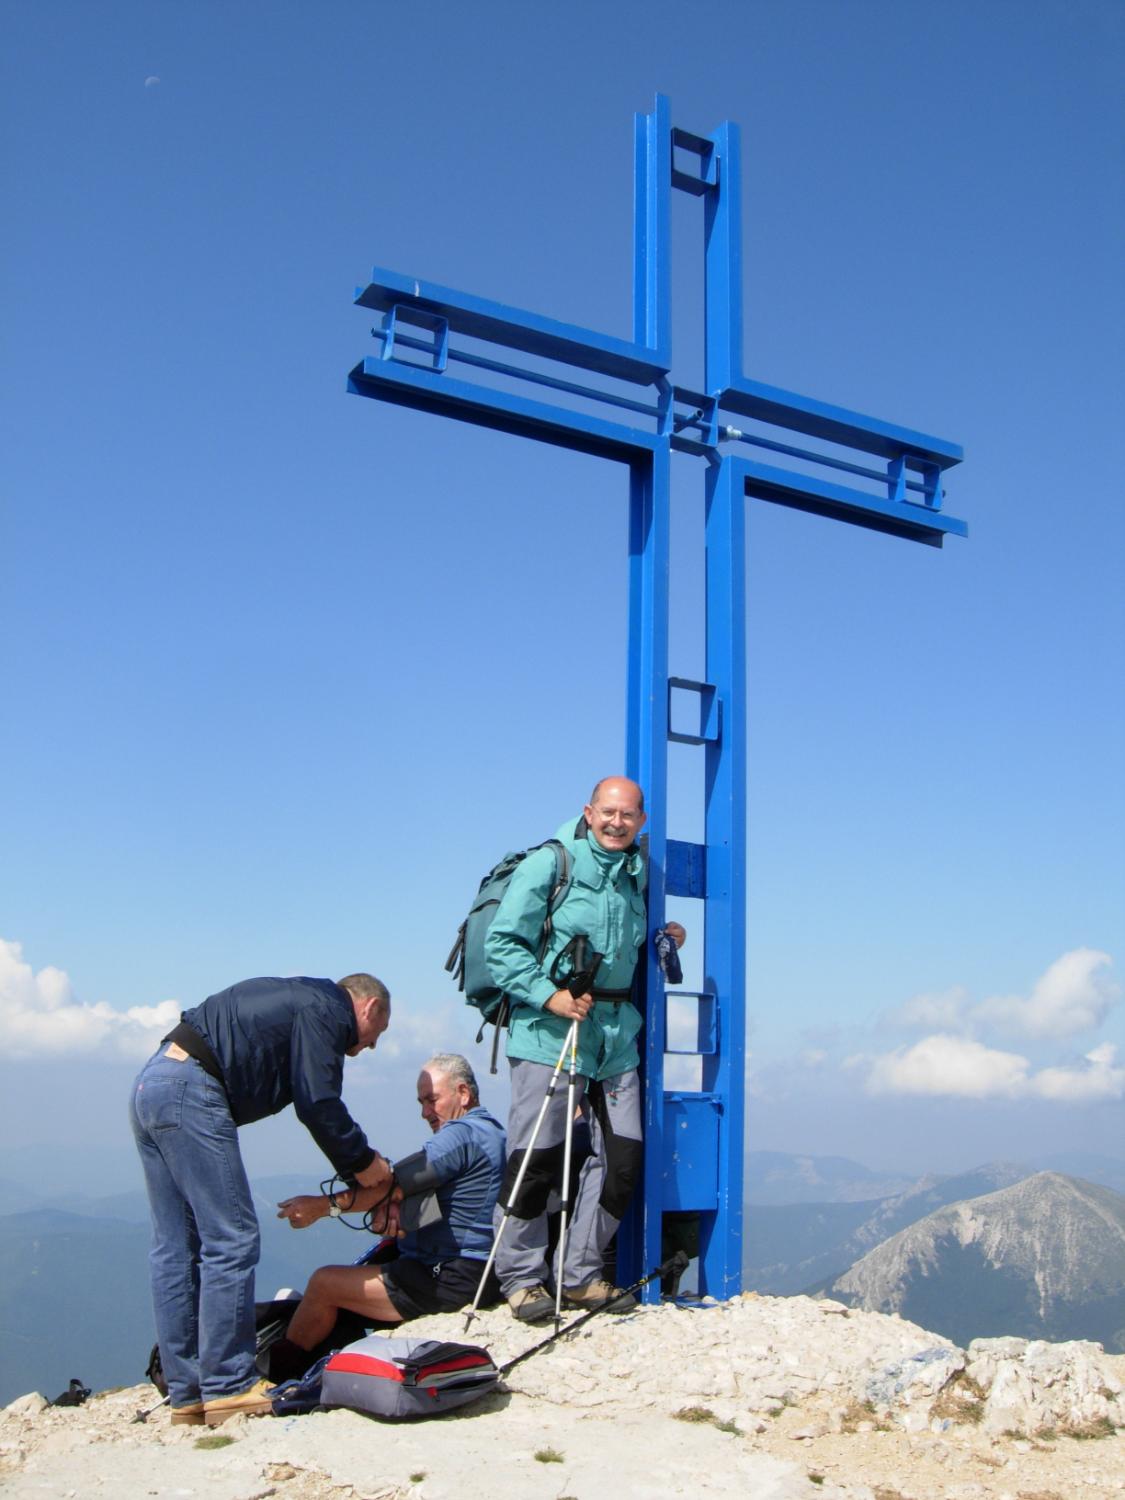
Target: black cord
366, 1224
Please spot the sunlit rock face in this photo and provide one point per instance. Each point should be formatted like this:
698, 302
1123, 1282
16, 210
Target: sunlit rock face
1043, 1259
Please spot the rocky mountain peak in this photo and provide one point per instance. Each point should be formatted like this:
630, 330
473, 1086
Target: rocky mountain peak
1044, 1257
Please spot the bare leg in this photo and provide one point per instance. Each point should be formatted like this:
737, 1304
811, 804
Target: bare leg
358, 1288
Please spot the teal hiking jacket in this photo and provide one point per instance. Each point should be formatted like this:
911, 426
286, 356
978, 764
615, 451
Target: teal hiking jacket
608, 905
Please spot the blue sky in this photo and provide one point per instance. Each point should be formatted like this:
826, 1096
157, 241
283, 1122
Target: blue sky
284, 670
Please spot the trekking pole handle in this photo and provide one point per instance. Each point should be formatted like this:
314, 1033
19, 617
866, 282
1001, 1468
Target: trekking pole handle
586, 966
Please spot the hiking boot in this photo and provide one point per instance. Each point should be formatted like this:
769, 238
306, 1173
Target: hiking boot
598, 1293
254, 1402
188, 1416
531, 1304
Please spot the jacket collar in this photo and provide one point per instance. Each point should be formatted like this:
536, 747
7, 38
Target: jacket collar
634, 861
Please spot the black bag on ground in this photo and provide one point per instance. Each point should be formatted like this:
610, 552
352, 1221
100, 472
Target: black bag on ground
76, 1394
271, 1319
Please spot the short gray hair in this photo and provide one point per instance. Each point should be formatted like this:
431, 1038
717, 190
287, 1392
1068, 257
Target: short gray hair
366, 987
456, 1068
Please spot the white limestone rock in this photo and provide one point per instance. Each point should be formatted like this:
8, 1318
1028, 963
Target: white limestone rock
24, 1406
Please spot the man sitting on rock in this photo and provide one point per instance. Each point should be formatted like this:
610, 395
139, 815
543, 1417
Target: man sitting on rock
450, 1189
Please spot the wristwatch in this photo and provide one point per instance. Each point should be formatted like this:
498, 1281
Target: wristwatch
334, 1208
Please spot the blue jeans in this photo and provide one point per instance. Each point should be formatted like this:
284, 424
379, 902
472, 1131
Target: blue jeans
204, 1230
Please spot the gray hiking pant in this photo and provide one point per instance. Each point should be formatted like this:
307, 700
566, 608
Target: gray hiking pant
612, 1111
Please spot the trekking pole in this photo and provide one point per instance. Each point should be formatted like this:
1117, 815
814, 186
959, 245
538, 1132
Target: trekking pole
569, 1139
143, 1416
580, 982
471, 1312
675, 1264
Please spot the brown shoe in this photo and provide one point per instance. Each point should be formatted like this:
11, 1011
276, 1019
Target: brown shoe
254, 1402
188, 1416
598, 1293
531, 1304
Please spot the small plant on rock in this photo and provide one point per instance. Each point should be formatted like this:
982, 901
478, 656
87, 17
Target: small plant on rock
705, 1414
694, 1414
1098, 1427
858, 1412
960, 1400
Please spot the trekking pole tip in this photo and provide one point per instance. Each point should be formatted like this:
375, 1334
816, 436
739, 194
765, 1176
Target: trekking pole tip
144, 1414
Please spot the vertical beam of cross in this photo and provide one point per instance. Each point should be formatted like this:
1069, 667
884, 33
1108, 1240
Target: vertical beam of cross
614, 398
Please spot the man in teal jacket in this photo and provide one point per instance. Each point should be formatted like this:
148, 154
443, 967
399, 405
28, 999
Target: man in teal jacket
605, 903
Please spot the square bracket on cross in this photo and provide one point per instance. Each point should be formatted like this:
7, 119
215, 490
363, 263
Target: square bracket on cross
685, 869
710, 716
706, 1024
928, 485
694, 411
401, 314
706, 164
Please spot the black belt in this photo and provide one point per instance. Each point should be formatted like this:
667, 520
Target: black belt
196, 1046
615, 997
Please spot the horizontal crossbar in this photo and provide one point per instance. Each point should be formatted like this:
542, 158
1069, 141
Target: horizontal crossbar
767, 403
425, 390
916, 523
513, 328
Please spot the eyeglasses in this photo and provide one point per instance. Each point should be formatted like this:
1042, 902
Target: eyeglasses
613, 812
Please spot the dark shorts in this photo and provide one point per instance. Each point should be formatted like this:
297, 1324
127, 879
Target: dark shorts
417, 1290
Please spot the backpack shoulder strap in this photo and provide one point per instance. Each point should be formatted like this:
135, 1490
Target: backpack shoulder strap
563, 865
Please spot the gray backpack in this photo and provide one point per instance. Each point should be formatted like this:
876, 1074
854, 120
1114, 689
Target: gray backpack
466, 960
406, 1377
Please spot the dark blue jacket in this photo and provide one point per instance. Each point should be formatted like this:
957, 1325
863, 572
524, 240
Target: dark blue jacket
283, 1041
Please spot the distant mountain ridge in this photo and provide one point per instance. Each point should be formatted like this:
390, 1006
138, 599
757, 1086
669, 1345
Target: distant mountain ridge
74, 1290
1042, 1258
778, 1177
790, 1247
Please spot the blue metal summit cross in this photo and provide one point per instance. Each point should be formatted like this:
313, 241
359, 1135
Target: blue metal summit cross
615, 399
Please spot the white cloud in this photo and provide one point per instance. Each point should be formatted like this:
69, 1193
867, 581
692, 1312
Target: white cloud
1073, 995
956, 1067
40, 1016
945, 1010
418, 1031
681, 1074
950, 1065
1101, 1080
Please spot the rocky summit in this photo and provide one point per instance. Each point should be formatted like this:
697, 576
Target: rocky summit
1044, 1258
771, 1398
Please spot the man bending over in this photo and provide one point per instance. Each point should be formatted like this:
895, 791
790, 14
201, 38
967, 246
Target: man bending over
245, 1053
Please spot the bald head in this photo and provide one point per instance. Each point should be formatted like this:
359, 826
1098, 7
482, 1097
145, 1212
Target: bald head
615, 813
